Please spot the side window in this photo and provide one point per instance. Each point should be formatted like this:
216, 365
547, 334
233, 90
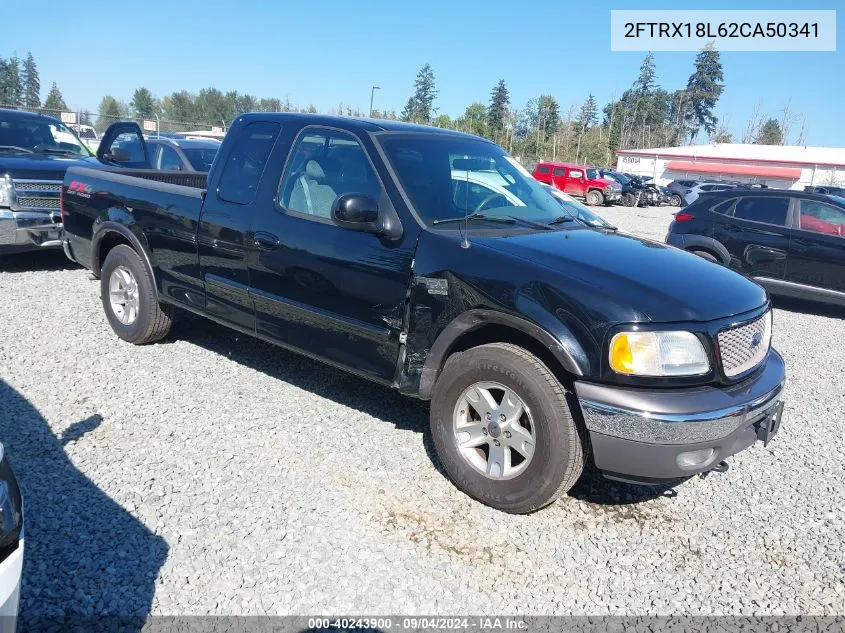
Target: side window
724, 207
154, 151
246, 161
127, 149
576, 173
323, 165
170, 159
767, 210
559, 171
820, 217
543, 169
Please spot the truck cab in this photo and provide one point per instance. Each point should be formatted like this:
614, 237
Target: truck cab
580, 181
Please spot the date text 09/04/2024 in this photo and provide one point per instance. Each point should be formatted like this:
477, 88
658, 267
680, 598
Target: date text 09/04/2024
481, 623
723, 29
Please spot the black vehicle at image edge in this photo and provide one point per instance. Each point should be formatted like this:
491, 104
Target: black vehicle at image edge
791, 242
430, 261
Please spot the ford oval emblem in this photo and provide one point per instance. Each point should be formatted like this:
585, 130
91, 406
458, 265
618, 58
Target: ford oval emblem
756, 339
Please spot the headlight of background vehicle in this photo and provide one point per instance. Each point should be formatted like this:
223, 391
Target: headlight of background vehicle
658, 354
6, 191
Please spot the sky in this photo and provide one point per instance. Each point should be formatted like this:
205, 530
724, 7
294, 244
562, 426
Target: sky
331, 52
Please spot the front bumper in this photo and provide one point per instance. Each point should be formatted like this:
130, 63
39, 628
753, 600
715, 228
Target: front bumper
611, 195
669, 434
29, 230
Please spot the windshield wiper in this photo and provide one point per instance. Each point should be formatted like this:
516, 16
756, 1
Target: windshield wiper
476, 216
563, 218
15, 148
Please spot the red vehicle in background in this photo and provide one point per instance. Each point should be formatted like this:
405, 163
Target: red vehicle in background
580, 181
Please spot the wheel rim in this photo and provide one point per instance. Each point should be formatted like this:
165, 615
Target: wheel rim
123, 295
494, 430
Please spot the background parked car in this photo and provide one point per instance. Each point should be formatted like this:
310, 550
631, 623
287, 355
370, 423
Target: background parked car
692, 194
792, 242
678, 189
179, 154
633, 191
88, 135
11, 545
579, 180
826, 189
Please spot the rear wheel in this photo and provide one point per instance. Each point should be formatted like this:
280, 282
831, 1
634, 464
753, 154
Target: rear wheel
675, 200
129, 298
594, 198
503, 429
705, 255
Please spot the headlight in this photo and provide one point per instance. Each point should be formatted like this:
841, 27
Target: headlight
6, 191
658, 354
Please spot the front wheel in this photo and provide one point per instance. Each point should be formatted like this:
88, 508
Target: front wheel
129, 298
629, 200
594, 198
503, 429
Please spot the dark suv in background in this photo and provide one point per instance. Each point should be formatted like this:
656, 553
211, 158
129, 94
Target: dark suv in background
791, 242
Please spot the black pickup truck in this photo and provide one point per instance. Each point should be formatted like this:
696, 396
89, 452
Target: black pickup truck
430, 261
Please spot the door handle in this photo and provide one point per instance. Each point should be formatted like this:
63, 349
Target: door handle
266, 241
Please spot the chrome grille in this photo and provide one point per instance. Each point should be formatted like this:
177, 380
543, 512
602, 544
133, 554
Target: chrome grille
36, 195
26, 186
742, 348
38, 203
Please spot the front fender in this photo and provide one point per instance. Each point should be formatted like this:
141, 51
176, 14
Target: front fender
560, 341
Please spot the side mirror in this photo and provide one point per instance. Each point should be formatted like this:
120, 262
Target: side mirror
360, 212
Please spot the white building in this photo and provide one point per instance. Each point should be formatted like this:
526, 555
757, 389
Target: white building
779, 166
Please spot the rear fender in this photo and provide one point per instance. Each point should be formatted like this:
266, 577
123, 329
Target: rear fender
699, 242
119, 222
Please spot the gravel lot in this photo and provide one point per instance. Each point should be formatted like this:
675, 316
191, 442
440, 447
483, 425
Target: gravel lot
214, 474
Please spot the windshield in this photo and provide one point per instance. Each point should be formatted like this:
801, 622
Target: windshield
622, 180
576, 209
449, 176
592, 174
37, 135
201, 158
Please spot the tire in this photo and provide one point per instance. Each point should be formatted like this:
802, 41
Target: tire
557, 458
705, 255
594, 198
629, 200
142, 318
675, 200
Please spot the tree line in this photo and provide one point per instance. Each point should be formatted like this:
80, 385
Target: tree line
643, 115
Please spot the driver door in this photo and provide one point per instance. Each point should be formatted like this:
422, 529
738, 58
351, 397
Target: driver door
575, 182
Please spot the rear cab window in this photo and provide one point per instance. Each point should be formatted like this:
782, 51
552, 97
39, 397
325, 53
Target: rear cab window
246, 162
543, 169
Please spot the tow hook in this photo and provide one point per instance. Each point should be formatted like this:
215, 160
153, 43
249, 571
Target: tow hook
721, 467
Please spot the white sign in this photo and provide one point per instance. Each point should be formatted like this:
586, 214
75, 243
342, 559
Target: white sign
150, 126
69, 117
217, 130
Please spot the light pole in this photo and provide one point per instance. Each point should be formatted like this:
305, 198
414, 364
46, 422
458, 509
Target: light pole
372, 93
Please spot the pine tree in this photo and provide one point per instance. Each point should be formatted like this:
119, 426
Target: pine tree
11, 83
31, 83
497, 112
704, 89
420, 107
143, 103
587, 115
770, 133
55, 101
645, 80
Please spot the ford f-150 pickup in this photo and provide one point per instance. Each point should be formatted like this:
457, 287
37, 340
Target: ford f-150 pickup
432, 262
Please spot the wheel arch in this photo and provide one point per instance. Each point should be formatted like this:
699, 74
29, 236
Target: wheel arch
694, 242
561, 352
108, 235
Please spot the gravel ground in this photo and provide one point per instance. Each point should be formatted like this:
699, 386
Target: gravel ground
214, 474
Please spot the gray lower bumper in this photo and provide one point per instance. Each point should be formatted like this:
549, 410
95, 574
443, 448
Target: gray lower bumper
23, 230
650, 434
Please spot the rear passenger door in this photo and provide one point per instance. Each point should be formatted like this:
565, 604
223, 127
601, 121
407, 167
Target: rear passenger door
817, 245
559, 178
329, 291
223, 237
757, 236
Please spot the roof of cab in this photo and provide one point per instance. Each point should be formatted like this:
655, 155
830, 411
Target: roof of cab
366, 124
23, 114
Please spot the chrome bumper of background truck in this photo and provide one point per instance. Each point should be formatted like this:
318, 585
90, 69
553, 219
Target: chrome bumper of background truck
653, 435
30, 229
